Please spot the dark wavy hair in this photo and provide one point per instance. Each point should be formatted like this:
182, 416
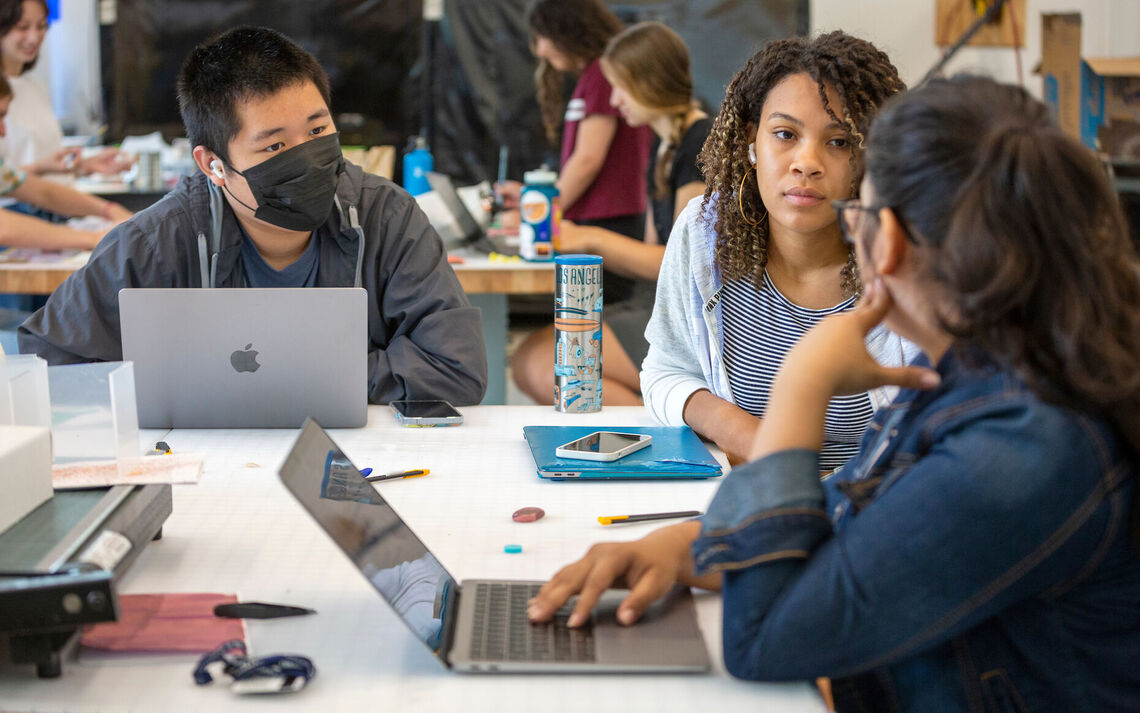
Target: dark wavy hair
579, 28
1025, 235
861, 75
11, 11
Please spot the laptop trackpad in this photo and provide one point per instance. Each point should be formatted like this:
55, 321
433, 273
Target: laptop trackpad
666, 634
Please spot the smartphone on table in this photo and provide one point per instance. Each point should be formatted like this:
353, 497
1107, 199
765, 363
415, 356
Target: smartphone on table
603, 446
422, 414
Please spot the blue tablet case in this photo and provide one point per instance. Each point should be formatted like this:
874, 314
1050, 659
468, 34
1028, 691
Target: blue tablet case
676, 452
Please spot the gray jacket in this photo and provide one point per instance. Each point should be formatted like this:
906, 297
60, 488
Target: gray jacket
425, 339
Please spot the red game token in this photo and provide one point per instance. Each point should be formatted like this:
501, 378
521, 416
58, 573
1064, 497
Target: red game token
528, 514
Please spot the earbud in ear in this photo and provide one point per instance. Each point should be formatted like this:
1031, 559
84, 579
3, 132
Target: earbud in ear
752, 153
216, 167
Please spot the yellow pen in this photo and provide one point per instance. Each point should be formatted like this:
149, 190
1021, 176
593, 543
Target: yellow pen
420, 472
619, 519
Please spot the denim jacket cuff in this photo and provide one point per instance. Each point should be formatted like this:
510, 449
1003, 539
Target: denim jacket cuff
767, 510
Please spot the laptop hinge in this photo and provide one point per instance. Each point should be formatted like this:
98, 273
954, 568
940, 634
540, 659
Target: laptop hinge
450, 616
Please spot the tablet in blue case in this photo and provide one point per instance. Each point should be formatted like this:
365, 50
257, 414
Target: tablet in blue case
676, 452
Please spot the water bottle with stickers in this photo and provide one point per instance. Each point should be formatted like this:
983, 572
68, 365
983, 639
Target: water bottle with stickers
578, 333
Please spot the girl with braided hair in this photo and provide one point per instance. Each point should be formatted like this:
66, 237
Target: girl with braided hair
601, 180
981, 552
760, 259
648, 67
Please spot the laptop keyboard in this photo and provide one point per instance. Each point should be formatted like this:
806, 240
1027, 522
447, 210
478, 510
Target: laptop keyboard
502, 632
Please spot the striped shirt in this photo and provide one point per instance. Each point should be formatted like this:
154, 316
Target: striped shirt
752, 356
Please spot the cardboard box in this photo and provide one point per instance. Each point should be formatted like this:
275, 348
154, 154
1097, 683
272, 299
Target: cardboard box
1088, 94
952, 18
25, 471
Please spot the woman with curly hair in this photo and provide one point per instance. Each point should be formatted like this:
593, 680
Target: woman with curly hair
760, 259
647, 65
981, 552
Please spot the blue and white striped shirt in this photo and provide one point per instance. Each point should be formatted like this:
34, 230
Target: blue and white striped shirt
753, 354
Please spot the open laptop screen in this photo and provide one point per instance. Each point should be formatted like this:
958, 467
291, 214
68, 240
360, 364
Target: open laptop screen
442, 185
369, 531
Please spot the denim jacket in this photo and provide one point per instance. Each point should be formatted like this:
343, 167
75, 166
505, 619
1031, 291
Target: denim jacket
975, 555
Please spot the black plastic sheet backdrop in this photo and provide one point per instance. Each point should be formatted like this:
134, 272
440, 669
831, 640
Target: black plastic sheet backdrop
479, 74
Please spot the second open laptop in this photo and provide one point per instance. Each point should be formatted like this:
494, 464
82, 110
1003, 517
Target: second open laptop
247, 358
477, 625
471, 233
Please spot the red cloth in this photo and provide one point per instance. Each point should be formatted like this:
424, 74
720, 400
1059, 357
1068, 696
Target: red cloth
166, 623
619, 188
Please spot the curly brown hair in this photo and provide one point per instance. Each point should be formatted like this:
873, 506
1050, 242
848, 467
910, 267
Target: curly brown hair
579, 28
861, 75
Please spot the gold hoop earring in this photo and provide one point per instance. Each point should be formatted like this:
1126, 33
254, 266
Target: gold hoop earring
740, 202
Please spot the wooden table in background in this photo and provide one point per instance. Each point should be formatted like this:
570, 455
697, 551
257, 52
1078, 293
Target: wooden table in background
478, 276
488, 284
25, 279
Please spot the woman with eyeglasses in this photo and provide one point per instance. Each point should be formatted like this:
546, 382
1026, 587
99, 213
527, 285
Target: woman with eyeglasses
981, 552
759, 260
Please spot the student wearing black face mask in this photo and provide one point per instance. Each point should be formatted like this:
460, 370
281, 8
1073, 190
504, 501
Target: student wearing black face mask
275, 205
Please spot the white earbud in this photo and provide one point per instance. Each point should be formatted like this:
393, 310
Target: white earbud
752, 153
216, 167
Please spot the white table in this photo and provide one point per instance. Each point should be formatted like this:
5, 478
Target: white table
240, 531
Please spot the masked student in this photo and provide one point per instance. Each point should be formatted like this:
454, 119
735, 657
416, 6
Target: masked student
982, 550
274, 204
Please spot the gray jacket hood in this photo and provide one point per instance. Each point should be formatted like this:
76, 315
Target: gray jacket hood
425, 339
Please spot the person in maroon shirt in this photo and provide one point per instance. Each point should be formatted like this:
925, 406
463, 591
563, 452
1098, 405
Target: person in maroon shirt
602, 181
647, 65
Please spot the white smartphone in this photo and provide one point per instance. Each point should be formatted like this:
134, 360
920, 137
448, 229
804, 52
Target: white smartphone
603, 446
420, 414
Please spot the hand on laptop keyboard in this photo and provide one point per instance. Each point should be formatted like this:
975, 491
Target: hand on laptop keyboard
650, 567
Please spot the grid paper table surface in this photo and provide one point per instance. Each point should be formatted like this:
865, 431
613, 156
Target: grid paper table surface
240, 531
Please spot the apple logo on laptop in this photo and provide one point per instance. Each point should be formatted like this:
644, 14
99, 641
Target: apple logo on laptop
245, 359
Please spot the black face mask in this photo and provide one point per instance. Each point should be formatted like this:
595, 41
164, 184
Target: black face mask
294, 190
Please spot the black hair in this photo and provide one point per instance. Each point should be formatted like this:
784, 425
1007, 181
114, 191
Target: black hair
11, 12
1023, 236
238, 65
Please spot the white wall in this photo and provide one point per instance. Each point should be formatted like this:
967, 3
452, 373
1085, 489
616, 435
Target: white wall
904, 29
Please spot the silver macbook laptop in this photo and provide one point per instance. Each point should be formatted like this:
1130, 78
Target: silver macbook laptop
247, 358
470, 231
477, 625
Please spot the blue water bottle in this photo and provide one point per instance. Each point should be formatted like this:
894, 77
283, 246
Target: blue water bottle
417, 164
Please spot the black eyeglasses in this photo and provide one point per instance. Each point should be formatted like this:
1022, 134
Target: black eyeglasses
850, 212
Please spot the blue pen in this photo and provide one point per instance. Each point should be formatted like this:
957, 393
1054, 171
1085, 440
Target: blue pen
365, 472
